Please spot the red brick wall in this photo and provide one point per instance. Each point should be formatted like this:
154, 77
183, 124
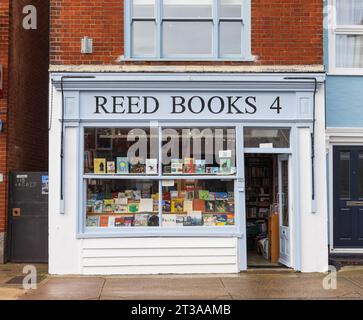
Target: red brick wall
4, 44
284, 32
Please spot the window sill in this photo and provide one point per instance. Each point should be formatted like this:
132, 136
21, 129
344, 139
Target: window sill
190, 60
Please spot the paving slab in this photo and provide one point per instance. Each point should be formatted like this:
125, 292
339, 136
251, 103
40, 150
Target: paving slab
164, 288
67, 288
298, 287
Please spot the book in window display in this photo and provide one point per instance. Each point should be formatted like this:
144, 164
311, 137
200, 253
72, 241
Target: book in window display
108, 205
200, 167
99, 166
137, 166
176, 166
222, 220
93, 221
98, 206
189, 166
177, 205
225, 166
169, 220
153, 220
111, 169
204, 194
104, 221
209, 220
141, 220
151, 166
195, 218
122, 165
210, 206
134, 207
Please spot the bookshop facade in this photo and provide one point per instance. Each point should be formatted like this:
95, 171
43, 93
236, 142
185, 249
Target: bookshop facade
186, 173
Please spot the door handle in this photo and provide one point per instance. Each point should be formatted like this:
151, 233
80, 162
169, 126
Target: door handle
354, 203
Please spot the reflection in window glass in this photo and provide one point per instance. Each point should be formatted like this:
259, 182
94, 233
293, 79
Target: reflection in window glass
360, 176
349, 12
187, 9
267, 138
231, 8
120, 151
143, 38
349, 51
230, 38
122, 203
199, 151
193, 203
143, 8
344, 177
187, 38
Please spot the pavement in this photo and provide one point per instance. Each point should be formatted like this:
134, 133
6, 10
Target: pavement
254, 284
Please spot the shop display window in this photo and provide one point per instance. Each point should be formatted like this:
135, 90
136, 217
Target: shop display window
191, 203
120, 151
122, 203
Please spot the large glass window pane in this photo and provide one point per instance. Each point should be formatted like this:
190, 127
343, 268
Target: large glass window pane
360, 176
349, 12
267, 138
231, 8
143, 36
121, 151
349, 51
143, 8
344, 177
122, 203
199, 151
230, 38
187, 38
187, 8
193, 203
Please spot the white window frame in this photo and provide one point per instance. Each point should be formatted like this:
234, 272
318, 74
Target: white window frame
333, 31
245, 55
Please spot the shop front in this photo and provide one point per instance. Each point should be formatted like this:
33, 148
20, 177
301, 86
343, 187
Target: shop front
186, 173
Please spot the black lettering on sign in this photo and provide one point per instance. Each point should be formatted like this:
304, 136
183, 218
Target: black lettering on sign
100, 103
276, 105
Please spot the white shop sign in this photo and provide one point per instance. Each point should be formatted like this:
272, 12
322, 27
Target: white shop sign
191, 106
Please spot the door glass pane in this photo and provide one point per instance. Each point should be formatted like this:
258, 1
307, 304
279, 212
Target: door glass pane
193, 203
360, 176
344, 178
143, 38
187, 38
230, 38
349, 12
349, 51
267, 138
143, 8
231, 8
187, 8
285, 193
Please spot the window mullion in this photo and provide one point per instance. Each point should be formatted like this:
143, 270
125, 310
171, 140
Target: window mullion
216, 49
159, 31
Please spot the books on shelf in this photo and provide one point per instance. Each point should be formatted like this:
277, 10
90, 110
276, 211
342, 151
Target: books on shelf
176, 166
225, 166
99, 166
200, 167
195, 218
141, 220
134, 207
177, 205
169, 220
137, 166
103, 221
199, 205
111, 168
189, 167
188, 205
146, 205
204, 194
93, 221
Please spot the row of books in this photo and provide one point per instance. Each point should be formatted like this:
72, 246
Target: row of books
190, 194
192, 166
195, 218
209, 206
122, 165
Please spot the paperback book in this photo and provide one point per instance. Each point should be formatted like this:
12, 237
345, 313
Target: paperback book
122, 165
99, 166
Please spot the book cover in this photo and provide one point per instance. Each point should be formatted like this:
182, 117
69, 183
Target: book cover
146, 205
99, 166
111, 222
188, 205
215, 170
93, 221
122, 165
128, 221
166, 205
136, 194
108, 205
104, 221
121, 201
153, 220
230, 206
121, 208
210, 206
111, 169
200, 167
169, 220
189, 167
221, 220
133, 207
221, 206
98, 206
180, 220
137, 167
198, 205
212, 196
151, 166
129, 194
221, 196
176, 166
203, 194
196, 218
174, 194
209, 220
225, 166
141, 220
119, 222
166, 196
189, 195
177, 205
209, 170
230, 219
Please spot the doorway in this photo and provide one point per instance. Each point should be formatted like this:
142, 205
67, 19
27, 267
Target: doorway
268, 210
348, 197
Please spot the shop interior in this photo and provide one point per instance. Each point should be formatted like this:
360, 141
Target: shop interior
262, 210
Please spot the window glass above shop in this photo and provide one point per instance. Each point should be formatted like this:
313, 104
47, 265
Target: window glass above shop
267, 138
186, 29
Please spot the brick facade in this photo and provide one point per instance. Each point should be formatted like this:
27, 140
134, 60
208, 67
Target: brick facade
284, 32
24, 100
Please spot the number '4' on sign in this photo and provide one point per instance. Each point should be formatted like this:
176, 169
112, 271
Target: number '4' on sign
276, 105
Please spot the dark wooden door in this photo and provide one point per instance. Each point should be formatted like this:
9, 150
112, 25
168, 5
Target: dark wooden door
348, 197
28, 217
